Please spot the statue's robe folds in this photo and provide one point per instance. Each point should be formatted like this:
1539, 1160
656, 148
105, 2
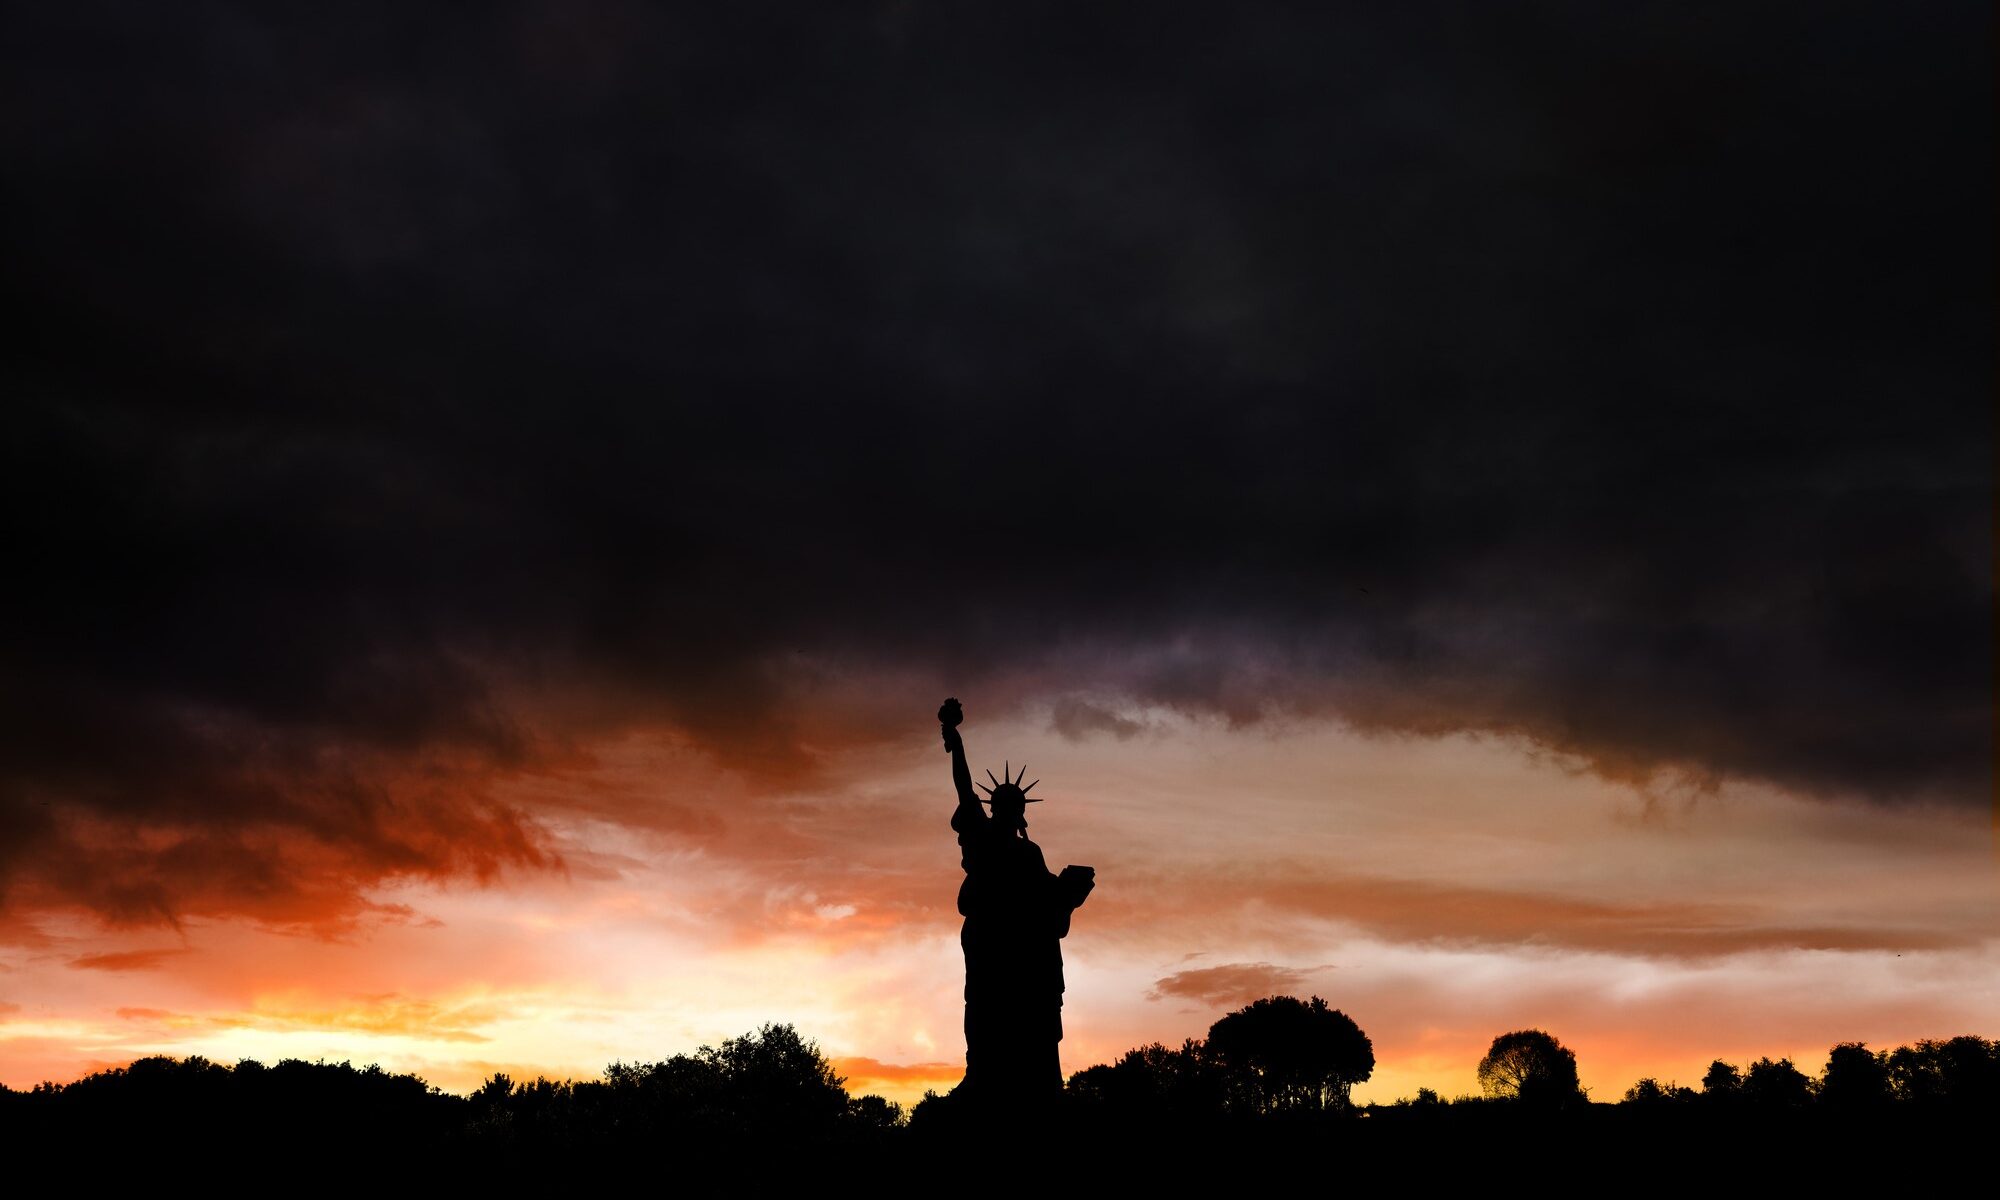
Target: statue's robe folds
1016, 914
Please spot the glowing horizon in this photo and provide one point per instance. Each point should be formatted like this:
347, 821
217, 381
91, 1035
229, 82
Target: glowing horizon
1440, 891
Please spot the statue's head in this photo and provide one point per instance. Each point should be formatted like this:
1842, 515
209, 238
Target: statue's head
1008, 797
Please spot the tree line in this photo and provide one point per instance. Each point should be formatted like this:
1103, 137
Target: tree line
1282, 1054
769, 1082
1961, 1072
1278, 1060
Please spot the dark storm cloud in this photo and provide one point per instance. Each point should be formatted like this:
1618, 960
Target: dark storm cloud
1078, 719
402, 393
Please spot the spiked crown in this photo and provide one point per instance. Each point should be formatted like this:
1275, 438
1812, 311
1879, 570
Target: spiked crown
1008, 788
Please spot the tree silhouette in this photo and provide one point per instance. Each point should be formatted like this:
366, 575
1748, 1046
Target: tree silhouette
772, 1082
162, 1101
1962, 1072
1651, 1092
930, 1111
1855, 1078
776, 1077
1531, 1066
1287, 1053
875, 1112
1776, 1084
1154, 1082
1723, 1081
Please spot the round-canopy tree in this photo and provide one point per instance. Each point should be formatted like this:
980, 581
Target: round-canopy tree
1529, 1065
1283, 1052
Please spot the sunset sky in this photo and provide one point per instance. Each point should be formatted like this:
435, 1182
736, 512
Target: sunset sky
1480, 513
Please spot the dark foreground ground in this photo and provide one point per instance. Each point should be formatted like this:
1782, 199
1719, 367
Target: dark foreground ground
1600, 1149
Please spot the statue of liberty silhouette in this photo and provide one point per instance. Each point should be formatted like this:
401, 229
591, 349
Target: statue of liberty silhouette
1016, 914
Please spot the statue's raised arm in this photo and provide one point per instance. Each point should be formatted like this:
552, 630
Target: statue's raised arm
949, 716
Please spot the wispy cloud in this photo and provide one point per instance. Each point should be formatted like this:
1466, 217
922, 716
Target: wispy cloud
1232, 984
127, 960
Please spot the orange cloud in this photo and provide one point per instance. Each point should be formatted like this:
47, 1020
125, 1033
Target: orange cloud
289, 837
1231, 984
902, 1082
380, 1015
126, 960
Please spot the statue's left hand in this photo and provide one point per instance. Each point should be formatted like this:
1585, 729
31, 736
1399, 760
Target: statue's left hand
949, 715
